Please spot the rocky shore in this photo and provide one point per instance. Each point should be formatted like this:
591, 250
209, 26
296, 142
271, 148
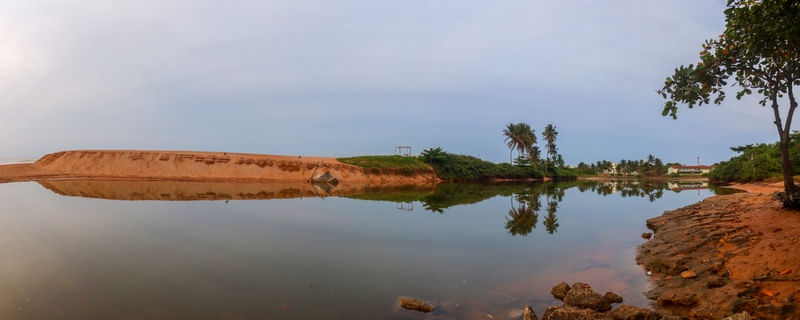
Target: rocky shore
725, 255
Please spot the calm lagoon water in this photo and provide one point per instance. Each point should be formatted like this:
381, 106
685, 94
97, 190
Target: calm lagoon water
472, 249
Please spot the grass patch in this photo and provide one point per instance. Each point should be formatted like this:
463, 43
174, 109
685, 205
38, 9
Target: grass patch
388, 164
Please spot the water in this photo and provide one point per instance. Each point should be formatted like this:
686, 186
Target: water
72, 252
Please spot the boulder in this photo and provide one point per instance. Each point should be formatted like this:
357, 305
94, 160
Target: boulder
326, 177
571, 313
626, 312
560, 291
582, 296
409, 303
612, 297
681, 298
715, 282
647, 235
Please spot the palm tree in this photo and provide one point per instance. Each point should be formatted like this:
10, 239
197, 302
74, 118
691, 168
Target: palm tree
512, 139
519, 136
550, 135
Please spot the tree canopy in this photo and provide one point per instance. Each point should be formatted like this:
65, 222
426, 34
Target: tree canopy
758, 53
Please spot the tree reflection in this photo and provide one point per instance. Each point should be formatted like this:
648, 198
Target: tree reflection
526, 199
551, 221
521, 220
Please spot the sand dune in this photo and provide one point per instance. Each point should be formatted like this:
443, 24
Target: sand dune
194, 190
195, 166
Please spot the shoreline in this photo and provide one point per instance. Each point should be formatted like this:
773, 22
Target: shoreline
724, 255
198, 166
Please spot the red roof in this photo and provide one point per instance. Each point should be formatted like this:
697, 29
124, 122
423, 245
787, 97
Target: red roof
692, 167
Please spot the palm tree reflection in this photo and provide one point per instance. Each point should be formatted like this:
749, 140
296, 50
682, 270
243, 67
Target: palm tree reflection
521, 220
551, 221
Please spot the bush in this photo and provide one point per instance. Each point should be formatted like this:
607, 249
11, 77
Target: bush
756, 162
454, 167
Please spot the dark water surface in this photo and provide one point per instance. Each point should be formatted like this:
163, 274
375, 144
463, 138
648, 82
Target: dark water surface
472, 249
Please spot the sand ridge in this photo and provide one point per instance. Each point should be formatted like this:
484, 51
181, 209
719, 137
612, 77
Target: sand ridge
196, 166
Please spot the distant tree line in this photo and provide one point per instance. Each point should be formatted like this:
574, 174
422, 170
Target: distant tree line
650, 166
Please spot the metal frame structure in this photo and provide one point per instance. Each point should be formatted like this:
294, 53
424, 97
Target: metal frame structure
400, 150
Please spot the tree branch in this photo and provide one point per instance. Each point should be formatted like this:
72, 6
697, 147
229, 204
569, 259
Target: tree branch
792, 107
778, 122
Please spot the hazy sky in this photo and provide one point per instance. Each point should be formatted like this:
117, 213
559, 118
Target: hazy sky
346, 77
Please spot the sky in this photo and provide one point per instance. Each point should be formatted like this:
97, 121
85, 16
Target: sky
355, 77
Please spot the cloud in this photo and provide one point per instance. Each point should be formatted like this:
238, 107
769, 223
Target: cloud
356, 76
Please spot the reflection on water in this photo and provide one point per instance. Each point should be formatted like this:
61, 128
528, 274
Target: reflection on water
521, 220
331, 252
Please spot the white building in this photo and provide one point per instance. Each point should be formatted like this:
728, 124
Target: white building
697, 170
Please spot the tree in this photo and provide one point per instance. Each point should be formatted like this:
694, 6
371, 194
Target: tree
550, 135
519, 136
560, 161
432, 155
760, 50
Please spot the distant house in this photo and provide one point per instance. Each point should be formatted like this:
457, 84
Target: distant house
700, 169
612, 169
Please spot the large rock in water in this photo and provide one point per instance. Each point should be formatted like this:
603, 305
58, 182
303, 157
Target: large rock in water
612, 297
571, 313
409, 303
326, 177
582, 296
560, 291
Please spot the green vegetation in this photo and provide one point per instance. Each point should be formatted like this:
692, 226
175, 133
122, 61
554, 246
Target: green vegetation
757, 162
651, 166
760, 51
455, 167
388, 164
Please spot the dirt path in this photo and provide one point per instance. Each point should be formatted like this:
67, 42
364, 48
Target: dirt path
726, 254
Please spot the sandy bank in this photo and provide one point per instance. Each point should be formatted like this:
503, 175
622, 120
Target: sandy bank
194, 190
724, 255
196, 166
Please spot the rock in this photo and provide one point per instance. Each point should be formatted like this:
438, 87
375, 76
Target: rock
560, 290
688, 274
681, 298
647, 235
612, 297
775, 308
415, 304
325, 178
653, 294
739, 316
515, 313
626, 312
582, 296
571, 313
715, 282
528, 314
